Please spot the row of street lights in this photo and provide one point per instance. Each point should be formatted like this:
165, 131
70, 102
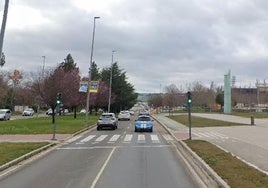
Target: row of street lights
89, 74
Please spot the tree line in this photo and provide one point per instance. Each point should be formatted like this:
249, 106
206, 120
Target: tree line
40, 89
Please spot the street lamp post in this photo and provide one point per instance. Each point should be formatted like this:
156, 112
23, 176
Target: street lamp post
111, 78
89, 72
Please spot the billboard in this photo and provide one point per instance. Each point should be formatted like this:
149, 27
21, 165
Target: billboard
93, 87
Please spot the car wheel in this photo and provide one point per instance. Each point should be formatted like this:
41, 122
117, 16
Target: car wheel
151, 130
98, 128
136, 130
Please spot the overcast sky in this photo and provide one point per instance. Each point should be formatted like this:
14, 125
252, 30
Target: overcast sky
157, 42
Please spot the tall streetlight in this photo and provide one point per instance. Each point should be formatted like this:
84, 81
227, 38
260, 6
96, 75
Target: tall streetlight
89, 72
43, 69
111, 77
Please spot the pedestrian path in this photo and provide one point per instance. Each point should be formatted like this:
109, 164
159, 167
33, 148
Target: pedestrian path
121, 138
209, 135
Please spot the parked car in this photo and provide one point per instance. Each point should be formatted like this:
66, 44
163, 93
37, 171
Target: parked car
28, 112
144, 123
5, 114
107, 120
124, 115
83, 111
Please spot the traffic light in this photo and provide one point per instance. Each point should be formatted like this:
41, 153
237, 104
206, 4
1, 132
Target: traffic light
189, 97
58, 101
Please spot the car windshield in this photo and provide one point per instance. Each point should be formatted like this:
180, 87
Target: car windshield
107, 116
144, 119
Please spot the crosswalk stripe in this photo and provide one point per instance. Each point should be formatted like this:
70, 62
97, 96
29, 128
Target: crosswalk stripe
128, 137
155, 138
141, 138
74, 139
101, 138
211, 135
114, 138
88, 138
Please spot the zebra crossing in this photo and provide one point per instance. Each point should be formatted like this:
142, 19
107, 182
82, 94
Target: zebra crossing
210, 135
125, 138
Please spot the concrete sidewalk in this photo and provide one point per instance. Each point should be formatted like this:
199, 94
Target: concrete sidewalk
248, 143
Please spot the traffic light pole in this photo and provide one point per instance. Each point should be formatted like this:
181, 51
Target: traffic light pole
190, 121
189, 102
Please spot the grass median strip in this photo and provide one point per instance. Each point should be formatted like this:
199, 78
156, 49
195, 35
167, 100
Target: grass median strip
11, 151
43, 125
235, 172
201, 122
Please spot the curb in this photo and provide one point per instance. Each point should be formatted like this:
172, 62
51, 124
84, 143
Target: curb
39, 150
25, 156
204, 175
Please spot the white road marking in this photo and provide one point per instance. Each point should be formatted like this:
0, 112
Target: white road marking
128, 138
141, 138
88, 138
102, 169
101, 138
114, 138
73, 139
155, 138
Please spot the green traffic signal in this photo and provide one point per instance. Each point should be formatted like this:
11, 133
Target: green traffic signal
189, 101
58, 101
189, 97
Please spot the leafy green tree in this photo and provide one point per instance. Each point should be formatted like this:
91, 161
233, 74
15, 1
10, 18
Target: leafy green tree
95, 73
68, 64
122, 91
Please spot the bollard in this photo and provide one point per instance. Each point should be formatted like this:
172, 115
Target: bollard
252, 120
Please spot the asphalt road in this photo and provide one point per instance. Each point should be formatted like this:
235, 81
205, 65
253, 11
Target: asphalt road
106, 159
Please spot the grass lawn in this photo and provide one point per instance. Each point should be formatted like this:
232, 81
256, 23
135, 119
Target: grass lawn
235, 172
43, 125
11, 151
201, 122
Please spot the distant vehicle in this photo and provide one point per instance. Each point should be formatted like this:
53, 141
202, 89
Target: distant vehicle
107, 120
124, 115
131, 112
144, 112
144, 123
28, 112
83, 111
5, 114
49, 112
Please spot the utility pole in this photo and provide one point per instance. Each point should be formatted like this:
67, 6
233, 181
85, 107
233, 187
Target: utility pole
111, 78
43, 69
3, 28
89, 72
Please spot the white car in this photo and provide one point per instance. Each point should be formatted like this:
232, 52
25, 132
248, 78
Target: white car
124, 115
5, 114
28, 112
107, 120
